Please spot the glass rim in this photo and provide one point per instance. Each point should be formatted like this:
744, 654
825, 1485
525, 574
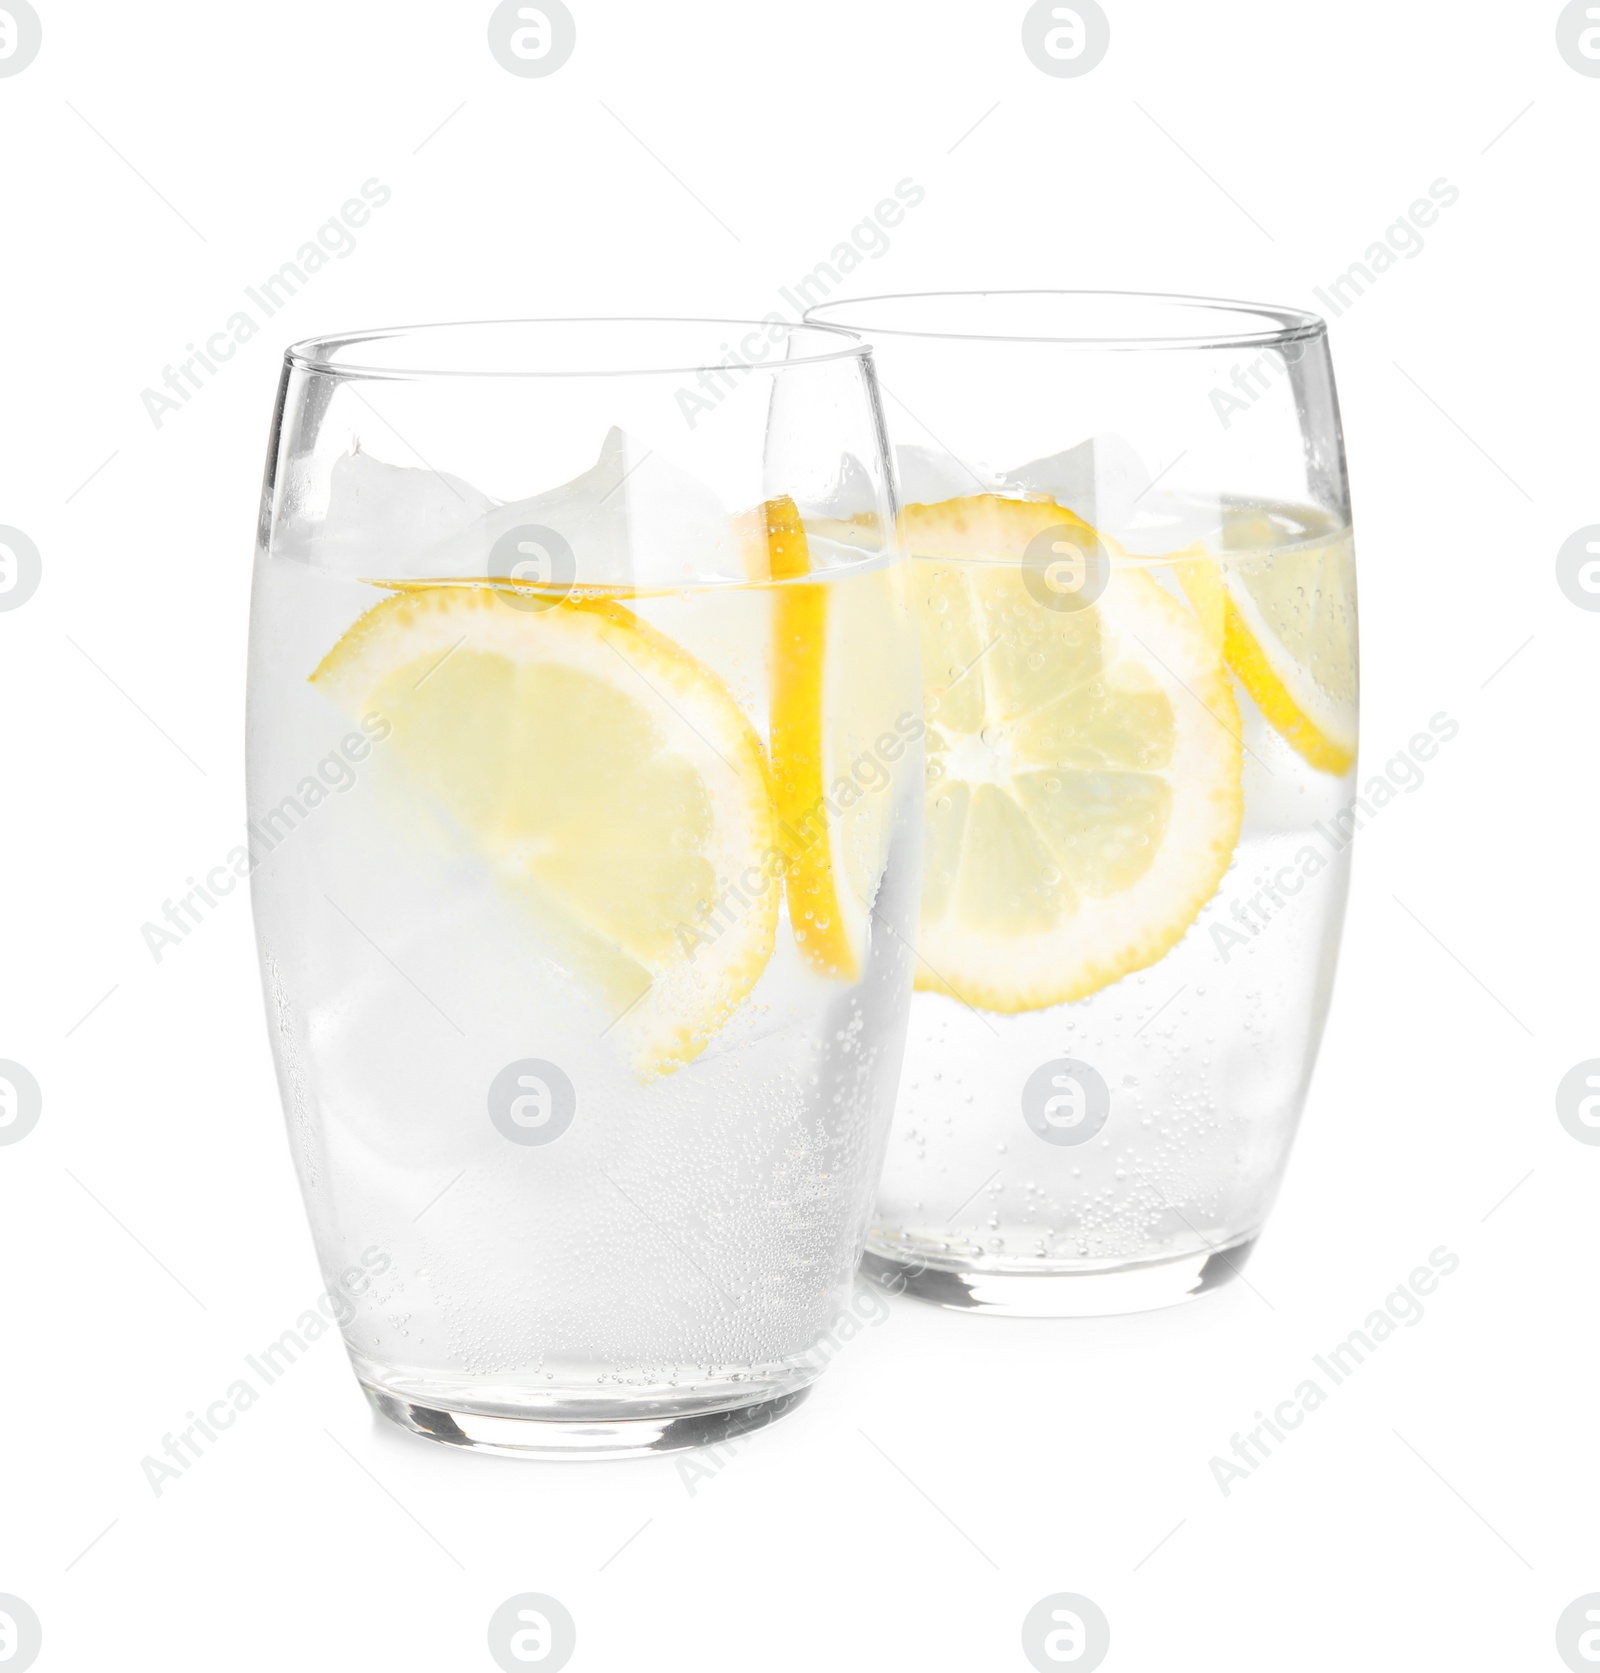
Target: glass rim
324, 354
1287, 324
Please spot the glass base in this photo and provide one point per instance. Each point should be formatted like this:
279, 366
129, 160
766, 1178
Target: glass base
552, 1438
1084, 1293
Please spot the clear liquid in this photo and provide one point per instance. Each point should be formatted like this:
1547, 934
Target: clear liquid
687, 1236
1207, 1053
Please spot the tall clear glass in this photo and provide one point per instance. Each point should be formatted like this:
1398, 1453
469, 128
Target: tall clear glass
1131, 551
585, 793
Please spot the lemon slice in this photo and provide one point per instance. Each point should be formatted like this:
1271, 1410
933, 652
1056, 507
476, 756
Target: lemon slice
1289, 633
1292, 642
799, 639
837, 649
1084, 764
609, 780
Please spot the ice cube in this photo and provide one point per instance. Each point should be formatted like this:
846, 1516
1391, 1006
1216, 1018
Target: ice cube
392, 520
928, 475
634, 518
853, 493
1103, 480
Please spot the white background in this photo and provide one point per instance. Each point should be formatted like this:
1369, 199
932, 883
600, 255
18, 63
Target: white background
1438, 1510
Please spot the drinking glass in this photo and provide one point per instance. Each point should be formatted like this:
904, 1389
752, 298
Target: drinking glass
585, 804
1129, 527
